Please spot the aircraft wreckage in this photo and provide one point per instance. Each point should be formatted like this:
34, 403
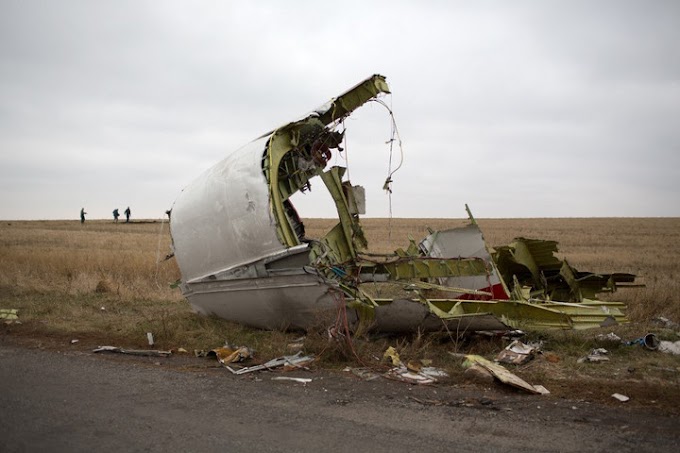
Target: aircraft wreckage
243, 255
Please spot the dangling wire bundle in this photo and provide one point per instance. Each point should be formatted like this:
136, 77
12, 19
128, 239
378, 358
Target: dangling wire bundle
394, 134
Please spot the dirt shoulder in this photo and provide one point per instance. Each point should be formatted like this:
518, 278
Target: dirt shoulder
56, 392
656, 396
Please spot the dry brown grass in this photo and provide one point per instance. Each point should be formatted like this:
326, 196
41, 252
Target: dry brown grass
125, 261
61, 273
104, 284
67, 258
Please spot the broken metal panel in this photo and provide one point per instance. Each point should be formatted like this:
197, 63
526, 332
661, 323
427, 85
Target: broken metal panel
403, 315
532, 263
502, 374
280, 302
410, 268
222, 219
591, 313
466, 241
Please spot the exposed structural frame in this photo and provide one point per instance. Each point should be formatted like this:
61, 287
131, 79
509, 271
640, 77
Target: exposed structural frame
244, 256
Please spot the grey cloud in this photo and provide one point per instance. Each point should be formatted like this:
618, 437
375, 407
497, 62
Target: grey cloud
582, 96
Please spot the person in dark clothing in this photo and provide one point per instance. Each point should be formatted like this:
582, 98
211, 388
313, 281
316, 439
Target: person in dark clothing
127, 215
82, 215
116, 214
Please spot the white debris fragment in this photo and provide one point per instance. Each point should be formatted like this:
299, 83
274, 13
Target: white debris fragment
620, 397
294, 379
611, 336
596, 355
670, 347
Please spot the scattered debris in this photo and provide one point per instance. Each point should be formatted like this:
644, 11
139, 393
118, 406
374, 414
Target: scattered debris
649, 341
542, 390
502, 374
434, 372
670, 347
365, 374
392, 355
666, 323
611, 337
304, 381
74, 341
10, 315
182, 350
141, 352
401, 373
226, 355
517, 353
294, 361
411, 374
149, 337
596, 355
620, 397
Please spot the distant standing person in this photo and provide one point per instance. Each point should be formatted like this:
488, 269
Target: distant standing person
116, 214
82, 215
127, 215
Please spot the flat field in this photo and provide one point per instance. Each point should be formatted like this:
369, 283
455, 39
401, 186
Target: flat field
106, 283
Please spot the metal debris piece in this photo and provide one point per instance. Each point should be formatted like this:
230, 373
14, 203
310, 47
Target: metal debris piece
596, 355
611, 337
74, 341
296, 361
140, 352
517, 353
9, 313
433, 372
403, 374
649, 341
392, 355
227, 355
365, 374
542, 390
294, 379
501, 373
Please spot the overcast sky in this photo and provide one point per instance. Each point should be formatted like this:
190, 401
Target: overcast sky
521, 109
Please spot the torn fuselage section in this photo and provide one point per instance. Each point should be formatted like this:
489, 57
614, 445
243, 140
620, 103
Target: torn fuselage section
244, 256
242, 250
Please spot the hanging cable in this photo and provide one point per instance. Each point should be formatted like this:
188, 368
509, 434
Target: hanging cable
387, 187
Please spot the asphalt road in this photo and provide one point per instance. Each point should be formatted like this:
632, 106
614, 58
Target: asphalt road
77, 401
